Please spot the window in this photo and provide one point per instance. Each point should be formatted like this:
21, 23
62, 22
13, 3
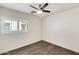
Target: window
10, 25
13, 25
7, 25
22, 26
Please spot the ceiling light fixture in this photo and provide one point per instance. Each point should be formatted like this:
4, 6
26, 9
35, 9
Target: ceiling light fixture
39, 12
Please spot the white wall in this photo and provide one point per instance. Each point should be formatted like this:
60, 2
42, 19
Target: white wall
63, 29
15, 40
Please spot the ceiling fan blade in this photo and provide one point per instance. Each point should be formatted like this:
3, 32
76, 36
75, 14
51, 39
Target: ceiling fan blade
45, 5
33, 7
32, 12
46, 11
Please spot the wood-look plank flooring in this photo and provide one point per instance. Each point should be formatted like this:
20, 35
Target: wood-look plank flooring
41, 48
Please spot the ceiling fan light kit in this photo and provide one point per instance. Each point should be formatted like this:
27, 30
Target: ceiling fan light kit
39, 12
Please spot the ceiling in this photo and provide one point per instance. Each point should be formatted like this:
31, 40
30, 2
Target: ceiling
53, 7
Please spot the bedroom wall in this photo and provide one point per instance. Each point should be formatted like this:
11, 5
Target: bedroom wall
62, 29
16, 40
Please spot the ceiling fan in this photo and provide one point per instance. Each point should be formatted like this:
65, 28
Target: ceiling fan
40, 9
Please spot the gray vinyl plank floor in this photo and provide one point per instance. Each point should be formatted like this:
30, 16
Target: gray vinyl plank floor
41, 48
